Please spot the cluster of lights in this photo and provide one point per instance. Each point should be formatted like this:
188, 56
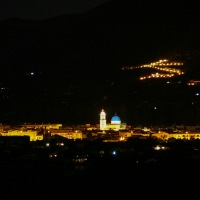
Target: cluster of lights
191, 83
157, 75
80, 159
159, 147
161, 65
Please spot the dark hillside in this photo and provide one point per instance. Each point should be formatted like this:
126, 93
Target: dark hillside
65, 69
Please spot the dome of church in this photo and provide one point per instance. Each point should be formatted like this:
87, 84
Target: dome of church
115, 120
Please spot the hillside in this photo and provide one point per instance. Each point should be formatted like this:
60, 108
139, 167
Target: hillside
67, 68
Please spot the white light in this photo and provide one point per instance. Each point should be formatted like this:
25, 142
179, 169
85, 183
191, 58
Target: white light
114, 153
157, 148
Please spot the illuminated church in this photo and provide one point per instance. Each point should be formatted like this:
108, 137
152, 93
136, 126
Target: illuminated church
115, 124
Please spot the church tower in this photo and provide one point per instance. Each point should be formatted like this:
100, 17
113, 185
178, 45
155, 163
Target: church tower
102, 120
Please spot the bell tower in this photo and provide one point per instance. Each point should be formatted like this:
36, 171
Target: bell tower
102, 120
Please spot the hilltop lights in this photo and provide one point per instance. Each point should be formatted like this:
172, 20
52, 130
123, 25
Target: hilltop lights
161, 65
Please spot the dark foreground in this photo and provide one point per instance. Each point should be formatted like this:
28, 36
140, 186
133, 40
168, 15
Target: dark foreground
170, 177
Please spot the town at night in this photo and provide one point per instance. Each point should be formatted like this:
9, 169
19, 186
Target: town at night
99, 99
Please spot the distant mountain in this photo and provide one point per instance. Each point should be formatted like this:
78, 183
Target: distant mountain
148, 10
147, 30
108, 36
60, 68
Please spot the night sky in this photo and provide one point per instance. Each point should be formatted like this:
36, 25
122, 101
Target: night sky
43, 9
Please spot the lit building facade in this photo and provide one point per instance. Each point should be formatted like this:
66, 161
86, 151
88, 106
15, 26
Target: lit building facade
68, 133
115, 124
45, 126
33, 134
102, 120
179, 135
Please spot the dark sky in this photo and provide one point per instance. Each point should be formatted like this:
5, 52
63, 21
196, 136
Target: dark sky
42, 9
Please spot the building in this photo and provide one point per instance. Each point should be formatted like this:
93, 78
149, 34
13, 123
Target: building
33, 134
68, 133
115, 124
102, 120
183, 135
44, 126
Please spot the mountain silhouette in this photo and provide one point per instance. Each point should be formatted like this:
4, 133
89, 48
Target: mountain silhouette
110, 35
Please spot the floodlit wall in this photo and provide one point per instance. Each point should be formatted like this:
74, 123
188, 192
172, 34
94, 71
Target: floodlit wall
32, 134
69, 134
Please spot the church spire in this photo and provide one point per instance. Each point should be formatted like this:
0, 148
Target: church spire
102, 120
